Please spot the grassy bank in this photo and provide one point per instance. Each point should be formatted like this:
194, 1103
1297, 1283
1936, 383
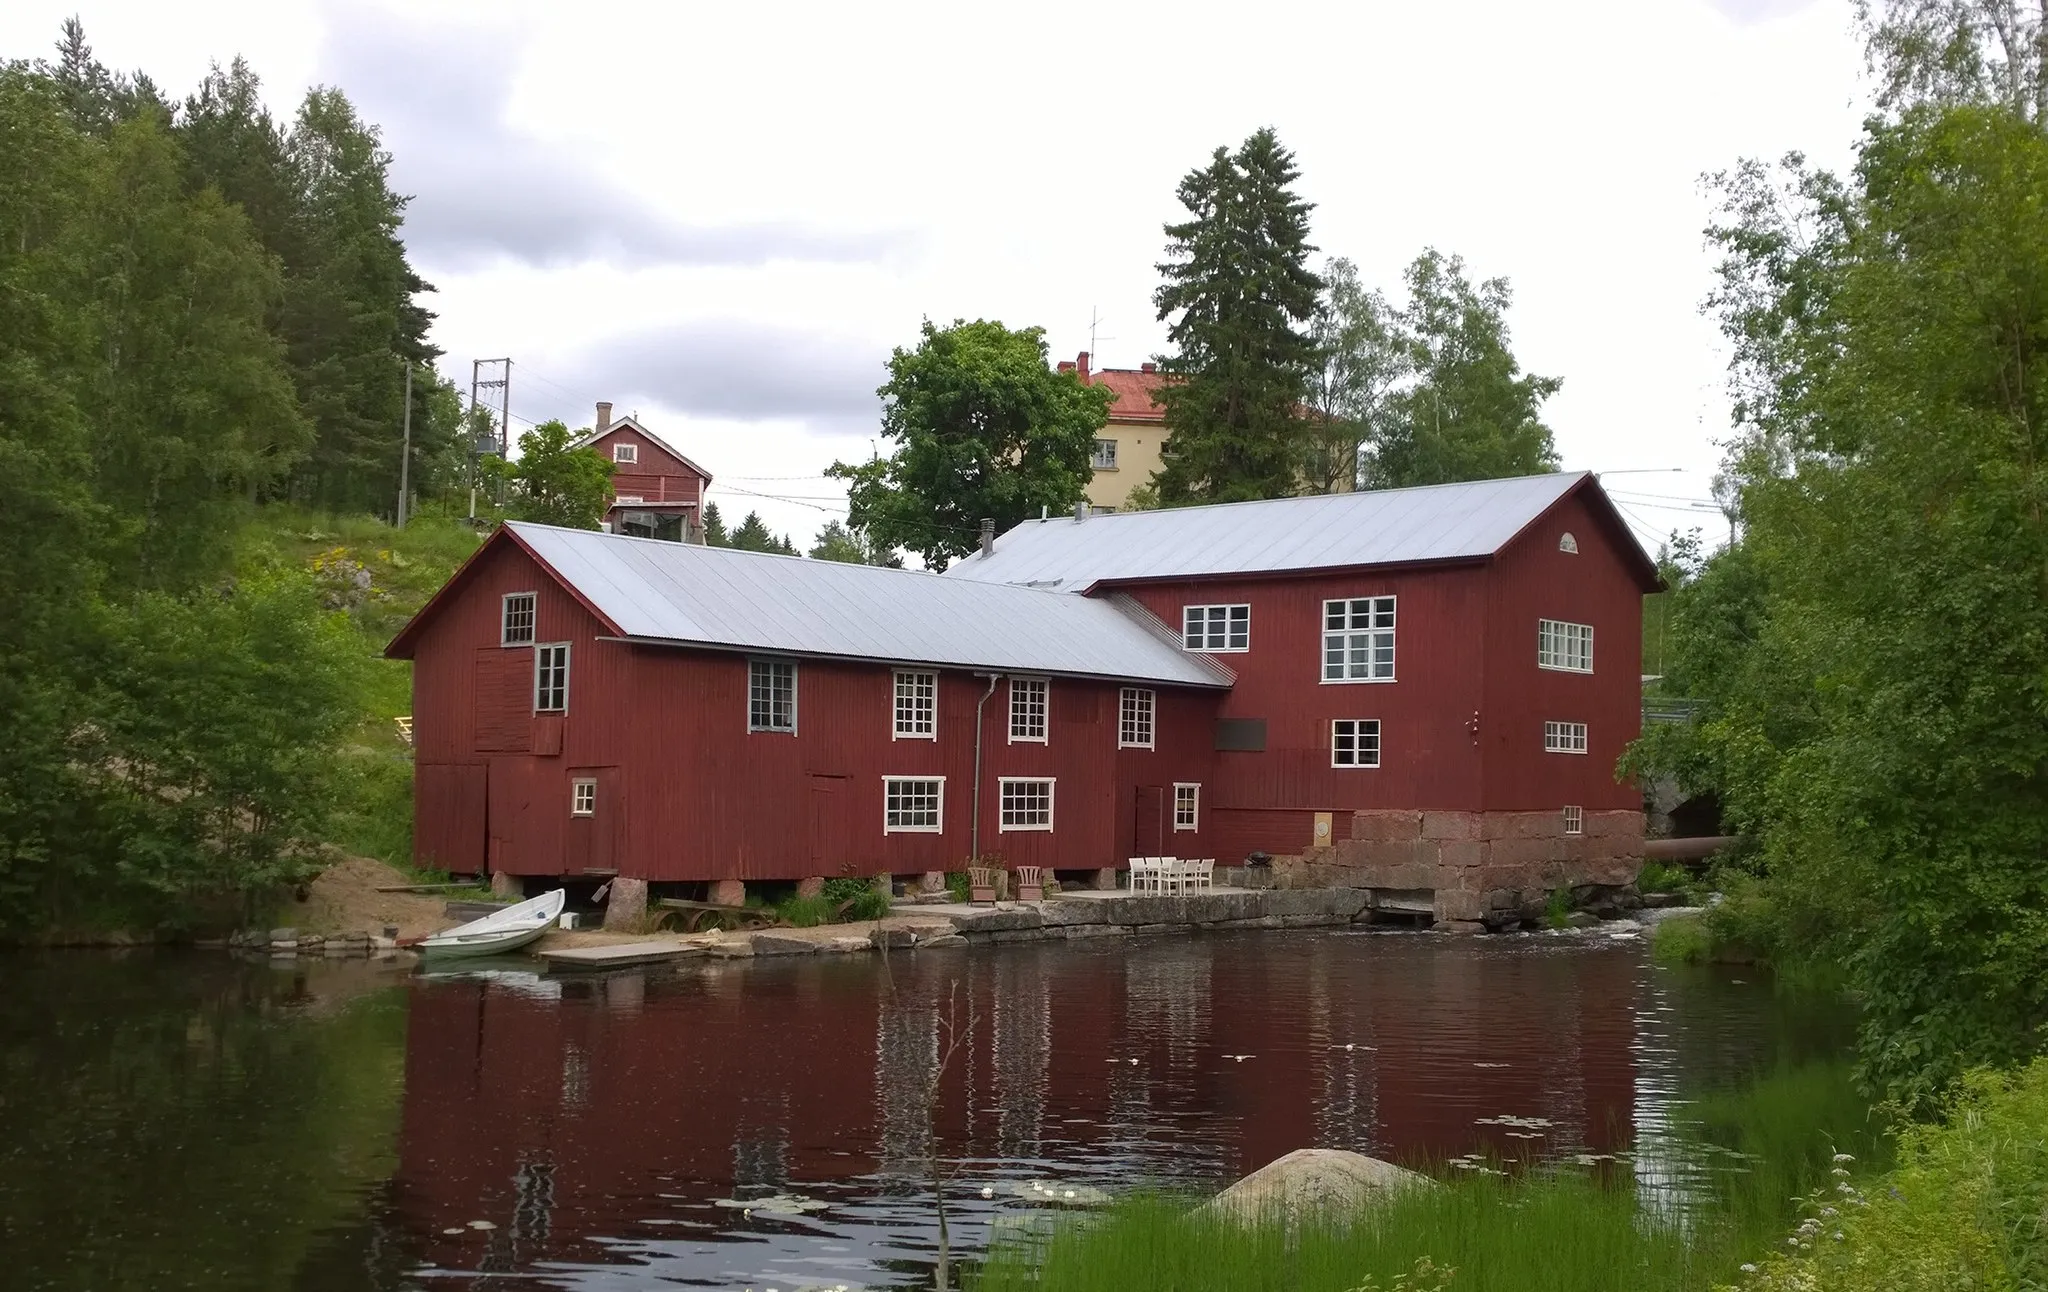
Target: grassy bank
1560, 1229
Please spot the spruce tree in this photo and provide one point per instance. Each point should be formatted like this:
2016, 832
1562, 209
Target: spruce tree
1238, 297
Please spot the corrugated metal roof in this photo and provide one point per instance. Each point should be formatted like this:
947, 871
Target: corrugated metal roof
630, 423
1328, 531
711, 596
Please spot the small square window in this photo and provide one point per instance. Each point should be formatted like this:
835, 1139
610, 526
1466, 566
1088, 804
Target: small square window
917, 706
1105, 455
1027, 709
1355, 742
1134, 718
1026, 804
913, 805
515, 622
582, 797
771, 695
1564, 737
1574, 820
626, 454
1216, 628
551, 678
1187, 806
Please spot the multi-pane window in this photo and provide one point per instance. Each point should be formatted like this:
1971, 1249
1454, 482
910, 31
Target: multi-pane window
1564, 646
1568, 544
1134, 719
1105, 455
1355, 742
1187, 806
1216, 628
917, 706
582, 797
1574, 819
1027, 708
551, 678
626, 453
1026, 804
1564, 737
771, 695
515, 624
913, 804
1358, 640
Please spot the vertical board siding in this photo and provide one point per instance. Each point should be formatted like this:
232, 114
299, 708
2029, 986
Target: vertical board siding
1533, 580
1428, 757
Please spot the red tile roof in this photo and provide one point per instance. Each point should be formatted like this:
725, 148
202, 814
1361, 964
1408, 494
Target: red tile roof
1133, 387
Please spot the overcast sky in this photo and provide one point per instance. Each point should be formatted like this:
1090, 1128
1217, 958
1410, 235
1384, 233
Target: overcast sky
723, 216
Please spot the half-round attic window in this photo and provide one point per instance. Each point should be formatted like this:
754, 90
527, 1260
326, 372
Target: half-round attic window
1568, 543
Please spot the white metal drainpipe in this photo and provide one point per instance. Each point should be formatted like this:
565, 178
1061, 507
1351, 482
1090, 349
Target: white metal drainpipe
993, 678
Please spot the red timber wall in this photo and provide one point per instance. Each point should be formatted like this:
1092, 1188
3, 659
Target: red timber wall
1532, 580
657, 475
1269, 800
685, 792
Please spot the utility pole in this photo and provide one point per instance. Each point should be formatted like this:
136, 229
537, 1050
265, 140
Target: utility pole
503, 385
405, 453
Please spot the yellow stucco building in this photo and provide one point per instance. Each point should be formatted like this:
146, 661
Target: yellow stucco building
1127, 452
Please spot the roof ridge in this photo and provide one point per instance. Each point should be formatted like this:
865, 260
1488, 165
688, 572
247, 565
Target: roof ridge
1299, 497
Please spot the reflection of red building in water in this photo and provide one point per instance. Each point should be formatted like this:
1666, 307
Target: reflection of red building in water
621, 1109
1404, 684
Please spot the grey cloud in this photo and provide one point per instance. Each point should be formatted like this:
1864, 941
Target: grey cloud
482, 190
743, 371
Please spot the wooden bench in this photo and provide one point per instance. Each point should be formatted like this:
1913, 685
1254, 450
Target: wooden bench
693, 914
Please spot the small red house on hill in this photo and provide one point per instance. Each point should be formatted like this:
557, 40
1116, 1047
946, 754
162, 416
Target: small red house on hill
656, 491
1422, 690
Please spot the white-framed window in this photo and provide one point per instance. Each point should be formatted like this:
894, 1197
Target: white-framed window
582, 796
1026, 804
913, 804
917, 705
1358, 640
1564, 737
1105, 455
1134, 718
1355, 742
628, 454
628, 499
771, 695
515, 620
1574, 819
1027, 709
1216, 628
1568, 544
1565, 647
1187, 805
551, 678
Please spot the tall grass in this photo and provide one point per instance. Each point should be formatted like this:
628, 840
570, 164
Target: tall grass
1556, 1230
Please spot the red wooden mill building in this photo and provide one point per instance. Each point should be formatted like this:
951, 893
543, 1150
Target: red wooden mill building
1423, 690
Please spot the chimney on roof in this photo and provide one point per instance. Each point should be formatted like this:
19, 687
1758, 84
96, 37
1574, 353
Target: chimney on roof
988, 536
1081, 366
604, 415
1064, 365
1081, 511
1148, 367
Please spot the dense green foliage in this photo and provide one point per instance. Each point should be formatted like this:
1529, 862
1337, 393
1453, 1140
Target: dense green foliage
169, 357
553, 482
983, 429
1871, 657
1967, 1206
836, 542
1237, 297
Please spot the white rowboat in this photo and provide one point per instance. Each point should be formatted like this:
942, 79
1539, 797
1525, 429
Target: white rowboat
500, 931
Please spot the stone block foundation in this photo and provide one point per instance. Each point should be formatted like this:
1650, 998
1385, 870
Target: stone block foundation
728, 892
1492, 866
625, 909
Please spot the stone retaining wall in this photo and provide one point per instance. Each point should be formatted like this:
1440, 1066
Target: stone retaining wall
1493, 867
1148, 914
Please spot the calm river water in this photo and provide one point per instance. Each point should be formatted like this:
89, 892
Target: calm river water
190, 1121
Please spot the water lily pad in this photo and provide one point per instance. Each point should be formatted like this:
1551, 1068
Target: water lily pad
1052, 1193
775, 1204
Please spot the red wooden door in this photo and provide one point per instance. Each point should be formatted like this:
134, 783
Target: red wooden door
830, 825
596, 821
1148, 832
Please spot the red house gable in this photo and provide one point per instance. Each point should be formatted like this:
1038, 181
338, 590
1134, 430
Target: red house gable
656, 491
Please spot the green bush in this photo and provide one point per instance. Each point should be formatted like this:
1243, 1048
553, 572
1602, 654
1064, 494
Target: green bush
1967, 1207
862, 900
804, 912
1656, 877
1682, 941
957, 886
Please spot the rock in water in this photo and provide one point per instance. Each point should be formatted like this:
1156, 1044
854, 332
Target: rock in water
1311, 1180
